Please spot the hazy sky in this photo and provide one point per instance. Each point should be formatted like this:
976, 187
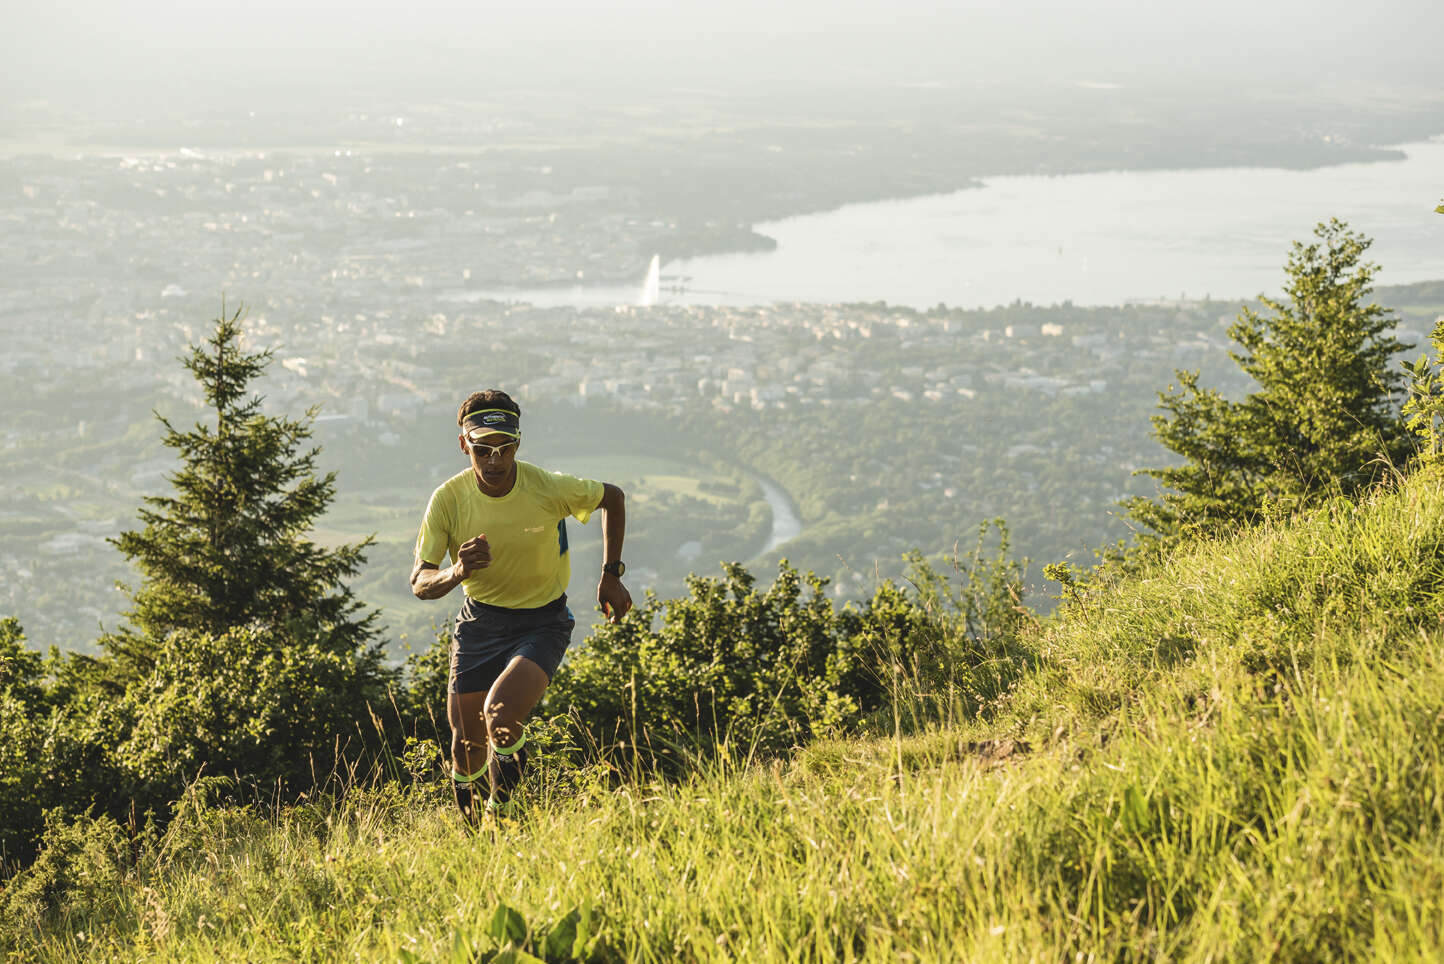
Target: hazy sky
86, 47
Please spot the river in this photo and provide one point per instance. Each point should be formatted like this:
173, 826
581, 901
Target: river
786, 525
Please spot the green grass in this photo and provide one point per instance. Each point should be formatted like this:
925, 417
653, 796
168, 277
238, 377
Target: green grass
1237, 754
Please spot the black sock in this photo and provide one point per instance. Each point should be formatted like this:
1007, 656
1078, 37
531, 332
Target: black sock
509, 763
509, 770
465, 796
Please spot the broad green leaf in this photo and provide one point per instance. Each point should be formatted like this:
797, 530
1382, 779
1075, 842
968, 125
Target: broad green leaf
561, 939
507, 925
514, 955
584, 933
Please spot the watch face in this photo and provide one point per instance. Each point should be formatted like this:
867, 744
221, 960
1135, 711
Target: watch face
615, 568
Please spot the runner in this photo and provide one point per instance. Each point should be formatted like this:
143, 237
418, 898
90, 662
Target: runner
503, 524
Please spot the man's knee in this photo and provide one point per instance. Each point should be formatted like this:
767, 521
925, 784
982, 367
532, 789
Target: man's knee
462, 748
501, 724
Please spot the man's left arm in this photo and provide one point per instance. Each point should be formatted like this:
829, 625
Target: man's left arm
612, 596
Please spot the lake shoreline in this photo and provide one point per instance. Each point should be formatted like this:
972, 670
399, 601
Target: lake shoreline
1097, 239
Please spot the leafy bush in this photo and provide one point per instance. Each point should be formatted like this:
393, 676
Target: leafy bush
760, 671
249, 702
421, 701
83, 866
574, 936
57, 730
1424, 409
726, 660
22, 706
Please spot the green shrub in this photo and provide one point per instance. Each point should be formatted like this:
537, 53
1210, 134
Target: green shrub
250, 703
22, 707
81, 873
726, 660
421, 701
1424, 408
761, 671
57, 730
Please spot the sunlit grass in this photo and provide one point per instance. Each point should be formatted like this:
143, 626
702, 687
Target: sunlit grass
1237, 754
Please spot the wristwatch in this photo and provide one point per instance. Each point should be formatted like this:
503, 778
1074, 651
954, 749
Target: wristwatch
618, 568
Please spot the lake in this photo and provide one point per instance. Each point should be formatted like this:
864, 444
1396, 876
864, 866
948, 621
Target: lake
1089, 238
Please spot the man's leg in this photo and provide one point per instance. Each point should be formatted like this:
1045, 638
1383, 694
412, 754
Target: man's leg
508, 704
468, 748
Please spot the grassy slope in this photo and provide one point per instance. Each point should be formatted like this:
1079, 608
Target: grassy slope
1237, 755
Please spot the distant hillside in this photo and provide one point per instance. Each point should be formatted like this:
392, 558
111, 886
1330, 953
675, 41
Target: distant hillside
1235, 754
1420, 293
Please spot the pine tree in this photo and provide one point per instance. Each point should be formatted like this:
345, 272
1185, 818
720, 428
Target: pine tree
1325, 413
228, 547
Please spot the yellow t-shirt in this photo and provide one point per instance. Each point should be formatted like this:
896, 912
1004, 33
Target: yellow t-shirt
526, 529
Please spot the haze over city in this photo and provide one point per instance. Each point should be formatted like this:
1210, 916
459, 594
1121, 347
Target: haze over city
381, 186
91, 52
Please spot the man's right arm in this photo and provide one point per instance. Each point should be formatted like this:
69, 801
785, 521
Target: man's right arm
428, 581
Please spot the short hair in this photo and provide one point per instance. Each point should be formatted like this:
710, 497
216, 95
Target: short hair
488, 398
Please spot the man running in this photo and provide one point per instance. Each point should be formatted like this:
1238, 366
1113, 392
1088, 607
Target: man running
503, 524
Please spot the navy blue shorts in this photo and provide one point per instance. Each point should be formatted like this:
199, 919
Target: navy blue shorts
487, 638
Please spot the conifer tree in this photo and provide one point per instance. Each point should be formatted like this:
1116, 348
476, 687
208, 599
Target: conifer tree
1325, 412
229, 548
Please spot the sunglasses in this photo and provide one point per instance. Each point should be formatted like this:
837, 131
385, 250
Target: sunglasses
484, 451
